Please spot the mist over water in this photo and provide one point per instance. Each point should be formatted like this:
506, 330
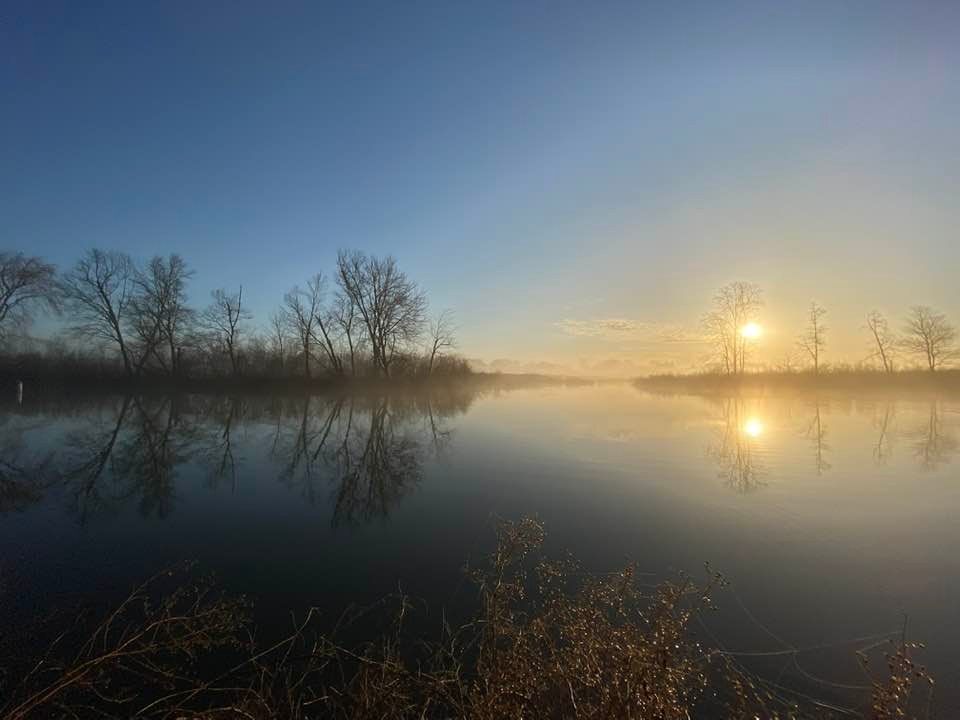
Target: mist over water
830, 514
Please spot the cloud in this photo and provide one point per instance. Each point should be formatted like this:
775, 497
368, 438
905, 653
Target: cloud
624, 329
618, 328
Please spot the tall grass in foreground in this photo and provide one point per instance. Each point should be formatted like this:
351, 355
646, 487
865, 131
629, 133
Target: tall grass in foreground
546, 642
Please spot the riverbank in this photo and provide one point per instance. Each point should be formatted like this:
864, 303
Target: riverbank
941, 382
545, 641
255, 385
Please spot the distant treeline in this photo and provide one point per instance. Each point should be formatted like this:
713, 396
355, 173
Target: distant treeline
926, 340
838, 377
132, 322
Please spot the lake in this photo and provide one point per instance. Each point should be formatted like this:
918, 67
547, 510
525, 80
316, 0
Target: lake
833, 516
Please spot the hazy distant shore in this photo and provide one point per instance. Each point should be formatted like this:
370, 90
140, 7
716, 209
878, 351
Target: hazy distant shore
34, 383
917, 380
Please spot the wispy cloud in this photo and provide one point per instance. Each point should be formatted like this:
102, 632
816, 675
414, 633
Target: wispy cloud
625, 329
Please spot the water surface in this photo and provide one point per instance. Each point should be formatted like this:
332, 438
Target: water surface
834, 516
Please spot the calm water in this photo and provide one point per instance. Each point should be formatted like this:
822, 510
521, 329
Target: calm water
832, 516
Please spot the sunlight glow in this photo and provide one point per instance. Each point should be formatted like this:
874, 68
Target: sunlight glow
753, 428
751, 330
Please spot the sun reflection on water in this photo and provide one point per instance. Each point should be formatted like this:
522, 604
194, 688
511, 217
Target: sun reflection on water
753, 427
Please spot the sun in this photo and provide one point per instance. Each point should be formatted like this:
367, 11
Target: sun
753, 428
751, 330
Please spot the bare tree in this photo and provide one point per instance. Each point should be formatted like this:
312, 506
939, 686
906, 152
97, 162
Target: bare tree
278, 335
884, 340
223, 320
734, 307
929, 335
813, 341
390, 304
327, 325
98, 291
159, 314
346, 318
26, 283
303, 313
441, 336
298, 309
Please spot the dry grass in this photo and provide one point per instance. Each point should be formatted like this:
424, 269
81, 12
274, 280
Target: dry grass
547, 642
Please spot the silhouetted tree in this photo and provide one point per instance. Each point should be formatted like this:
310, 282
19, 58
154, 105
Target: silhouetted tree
814, 339
26, 283
346, 318
300, 308
390, 304
441, 337
734, 306
278, 336
223, 320
327, 326
98, 291
884, 340
928, 334
159, 310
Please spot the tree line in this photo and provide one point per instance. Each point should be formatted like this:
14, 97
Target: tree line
926, 338
365, 318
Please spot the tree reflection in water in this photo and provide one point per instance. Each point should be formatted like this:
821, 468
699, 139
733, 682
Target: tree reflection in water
87, 452
883, 449
734, 452
816, 433
368, 450
934, 441
23, 474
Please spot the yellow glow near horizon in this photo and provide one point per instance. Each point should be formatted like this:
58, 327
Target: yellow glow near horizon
751, 330
753, 427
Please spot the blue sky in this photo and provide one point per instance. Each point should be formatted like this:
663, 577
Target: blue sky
541, 168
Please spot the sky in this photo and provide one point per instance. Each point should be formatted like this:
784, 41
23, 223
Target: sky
574, 180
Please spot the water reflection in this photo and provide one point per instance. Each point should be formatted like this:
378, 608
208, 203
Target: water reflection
87, 451
356, 456
216, 441
883, 449
359, 454
816, 433
735, 452
132, 456
369, 452
22, 472
934, 442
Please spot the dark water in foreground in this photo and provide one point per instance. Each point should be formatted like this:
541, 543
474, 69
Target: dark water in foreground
832, 515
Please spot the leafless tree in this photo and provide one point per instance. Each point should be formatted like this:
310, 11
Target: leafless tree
176, 316
884, 341
311, 323
278, 336
734, 306
347, 320
98, 292
26, 283
441, 337
391, 305
159, 312
929, 335
813, 341
327, 326
223, 321
299, 314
